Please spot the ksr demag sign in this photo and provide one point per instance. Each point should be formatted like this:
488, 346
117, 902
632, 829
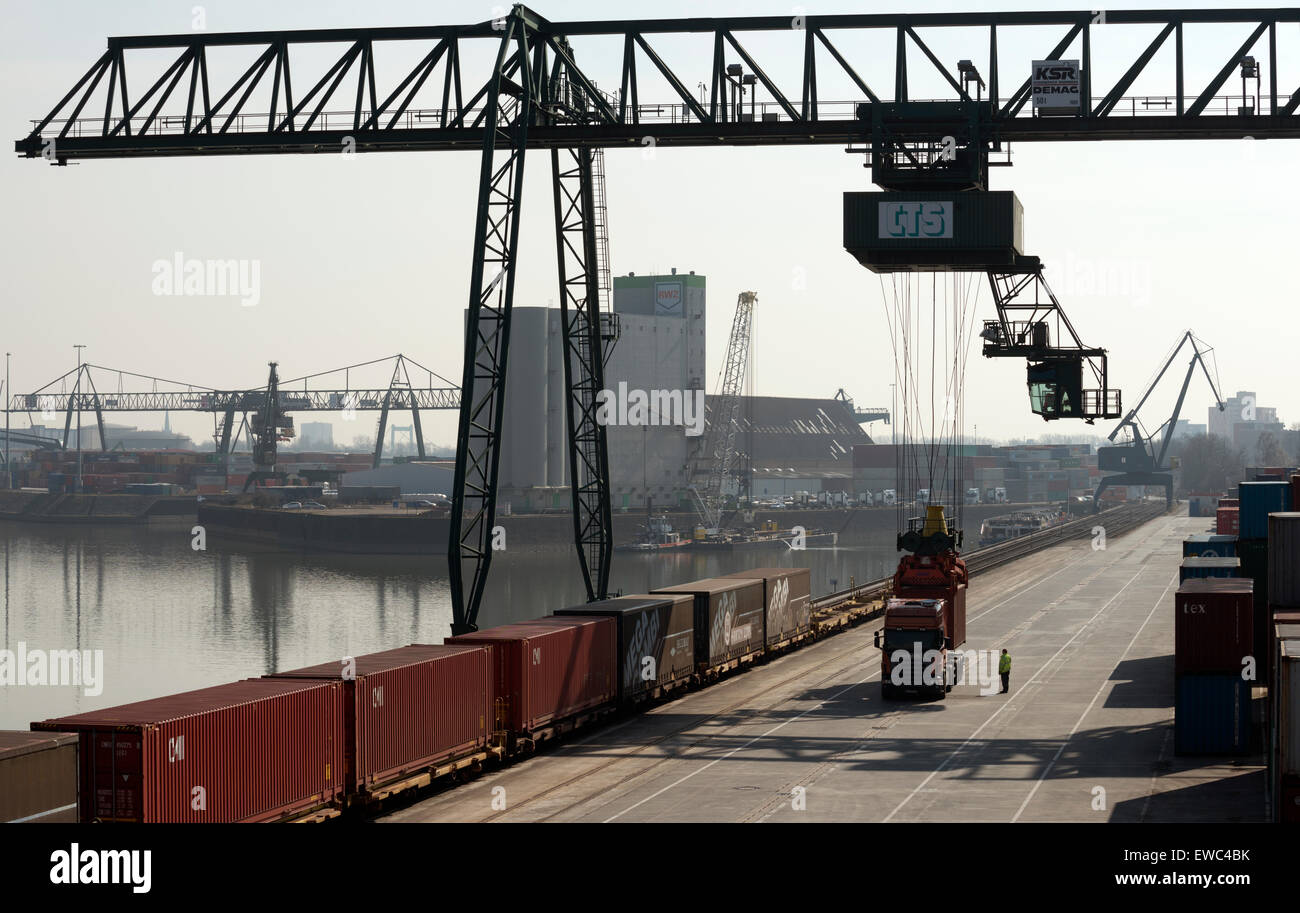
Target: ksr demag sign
925, 219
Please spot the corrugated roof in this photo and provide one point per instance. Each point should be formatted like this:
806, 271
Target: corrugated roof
790, 430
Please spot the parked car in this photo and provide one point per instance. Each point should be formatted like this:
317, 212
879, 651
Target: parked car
313, 505
291, 505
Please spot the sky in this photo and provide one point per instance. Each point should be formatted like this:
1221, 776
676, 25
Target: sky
361, 257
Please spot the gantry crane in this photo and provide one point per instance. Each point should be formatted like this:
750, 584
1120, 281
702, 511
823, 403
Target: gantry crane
536, 95
1141, 461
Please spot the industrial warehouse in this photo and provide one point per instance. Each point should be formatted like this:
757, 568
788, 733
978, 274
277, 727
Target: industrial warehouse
831, 424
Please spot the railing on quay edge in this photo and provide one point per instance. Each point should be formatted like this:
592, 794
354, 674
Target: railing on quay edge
1116, 520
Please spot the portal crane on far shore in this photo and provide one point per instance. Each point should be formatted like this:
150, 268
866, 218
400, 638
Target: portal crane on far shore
1141, 462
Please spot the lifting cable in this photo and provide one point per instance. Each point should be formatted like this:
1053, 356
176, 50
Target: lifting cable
930, 450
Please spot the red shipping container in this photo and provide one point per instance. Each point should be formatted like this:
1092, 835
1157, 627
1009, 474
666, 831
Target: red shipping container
1227, 521
1229, 502
1213, 624
254, 750
550, 668
409, 709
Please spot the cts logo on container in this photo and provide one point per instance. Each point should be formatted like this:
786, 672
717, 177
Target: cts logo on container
928, 219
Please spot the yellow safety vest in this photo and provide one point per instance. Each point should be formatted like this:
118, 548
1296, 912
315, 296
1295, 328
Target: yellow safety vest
1004, 664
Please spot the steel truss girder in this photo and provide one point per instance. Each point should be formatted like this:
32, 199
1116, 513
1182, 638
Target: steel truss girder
508, 107
219, 401
182, 112
584, 373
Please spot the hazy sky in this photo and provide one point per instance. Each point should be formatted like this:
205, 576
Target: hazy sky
361, 257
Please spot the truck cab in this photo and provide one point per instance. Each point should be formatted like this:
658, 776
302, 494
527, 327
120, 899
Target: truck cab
888, 498
918, 655
923, 496
972, 496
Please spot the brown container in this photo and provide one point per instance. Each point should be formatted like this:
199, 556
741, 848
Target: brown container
656, 637
1227, 521
254, 750
1213, 625
408, 709
1284, 559
549, 669
38, 777
1276, 616
728, 618
787, 600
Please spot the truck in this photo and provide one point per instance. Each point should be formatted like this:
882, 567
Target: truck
972, 496
923, 496
918, 655
926, 618
995, 495
865, 499
888, 498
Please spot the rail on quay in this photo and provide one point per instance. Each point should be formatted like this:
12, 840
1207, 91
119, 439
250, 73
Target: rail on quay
866, 600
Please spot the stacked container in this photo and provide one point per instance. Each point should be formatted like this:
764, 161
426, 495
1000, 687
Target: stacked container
1284, 757
38, 777
1227, 521
1258, 500
1213, 635
1210, 545
656, 641
409, 709
549, 670
1209, 567
787, 601
256, 750
728, 619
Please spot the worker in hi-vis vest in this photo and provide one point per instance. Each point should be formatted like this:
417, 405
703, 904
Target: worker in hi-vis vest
1004, 670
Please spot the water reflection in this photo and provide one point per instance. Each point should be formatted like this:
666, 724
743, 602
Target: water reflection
170, 619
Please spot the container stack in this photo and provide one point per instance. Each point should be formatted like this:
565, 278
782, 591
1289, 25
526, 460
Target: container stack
1210, 545
1258, 500
1209, 567
1283, 656
1213, 637
1227, 521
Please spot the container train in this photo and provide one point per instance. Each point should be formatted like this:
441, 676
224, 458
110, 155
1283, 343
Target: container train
314, 743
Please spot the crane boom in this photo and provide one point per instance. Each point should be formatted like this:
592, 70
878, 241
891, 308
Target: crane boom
720, 452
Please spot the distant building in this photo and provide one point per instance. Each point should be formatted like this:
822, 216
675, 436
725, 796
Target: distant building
124, 437
1243, 421
1185, 428
316, 436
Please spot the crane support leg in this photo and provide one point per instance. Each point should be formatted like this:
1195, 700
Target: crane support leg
227, 424
584, 372
99, 421
67, 425
507, 108
419, 432
379, 437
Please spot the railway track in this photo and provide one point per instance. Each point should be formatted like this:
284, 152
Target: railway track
1115, 521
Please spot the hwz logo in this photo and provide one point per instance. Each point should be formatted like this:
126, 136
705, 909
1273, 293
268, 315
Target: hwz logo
928, 219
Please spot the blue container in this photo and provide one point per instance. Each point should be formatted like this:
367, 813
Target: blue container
1211, 714
1209, 567
1210, 545
1258, 500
